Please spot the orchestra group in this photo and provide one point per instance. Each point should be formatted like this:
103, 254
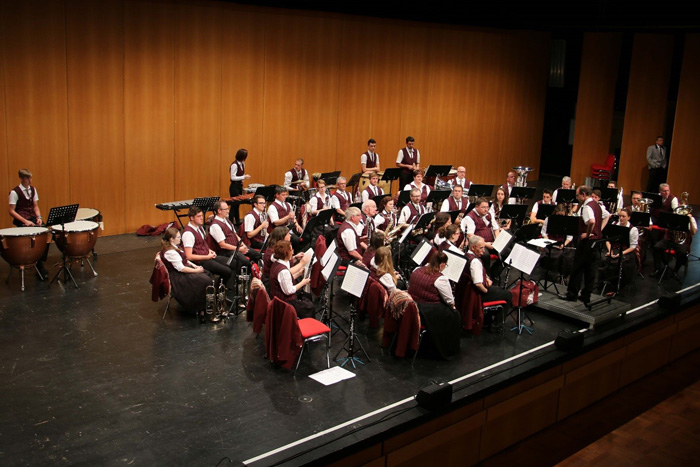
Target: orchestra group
367, 223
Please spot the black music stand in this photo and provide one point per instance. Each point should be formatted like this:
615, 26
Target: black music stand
621, 235
205, 203
480, 191
425, 220
437, 171
267, 191
609, 196
390, 175
544, 211
330, 177
658, 201
559, 226
331, 266
378, 199
515, 212
63, 215
454, 215
354, 180
640, 219
565, 196
524, 260
522, 192
404, 198
322, 219
354, 283
677, 223
437, 196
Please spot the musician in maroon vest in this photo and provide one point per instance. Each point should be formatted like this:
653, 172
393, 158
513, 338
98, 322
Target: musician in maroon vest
413, 210
546, 199
585, 256
237, 174
408, 159
461, 179
341, 199
24, 210
479, 222
297, 176
256, 224
372, 189
418, 184
508, 187
348, 237
197, 250
223, 240
483, 283
429, 285
280, 213
456, 202
282, 283
370, 159
668, 202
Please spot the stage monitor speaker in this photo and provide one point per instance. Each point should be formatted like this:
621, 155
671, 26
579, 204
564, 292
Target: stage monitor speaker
435, 396
670, 301
569, 341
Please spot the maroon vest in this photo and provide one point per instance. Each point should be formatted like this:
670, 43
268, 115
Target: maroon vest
666, 204
259, 237
24, 206
482, 230
231, 237
275, 289
423, 192
267, 262
598, 215
168, 265
422, 286
507, 190
200, 245
414, 212
282, 211
371, 193
240, 171
452, 204
295, 178
466, 185
343, 199
342, 250
408, 159
467, 267
371, 160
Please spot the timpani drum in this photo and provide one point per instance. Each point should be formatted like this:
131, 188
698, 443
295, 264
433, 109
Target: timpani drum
89, 214
22, 247
78, 239
364, 183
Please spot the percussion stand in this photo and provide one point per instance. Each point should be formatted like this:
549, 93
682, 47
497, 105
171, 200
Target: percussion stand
63, 215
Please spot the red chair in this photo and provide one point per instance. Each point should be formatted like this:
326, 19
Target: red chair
472, 309
604, 171
160, 282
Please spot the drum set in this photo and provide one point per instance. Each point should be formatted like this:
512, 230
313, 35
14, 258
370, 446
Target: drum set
24, 247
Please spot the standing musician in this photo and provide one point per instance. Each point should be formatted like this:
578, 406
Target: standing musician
341, 199
297, 176
197, 250
480, 222
413, 210
408, 159
372, 189
461, 179
25, 212
418, 184
370, 159
348, 237
282, 283
508, 186
629, 254
585, 256
256, 224
281, 213
483, 283
546, 199
237, 174
321, 200
456, 202
223, 240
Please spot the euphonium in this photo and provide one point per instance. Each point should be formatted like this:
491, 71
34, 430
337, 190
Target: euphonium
646, 202
683, 209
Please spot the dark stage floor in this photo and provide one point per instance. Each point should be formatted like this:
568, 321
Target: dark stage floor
93, 376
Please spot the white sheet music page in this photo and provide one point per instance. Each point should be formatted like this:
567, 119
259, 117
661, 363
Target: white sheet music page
421, 252
354, 280
330, 265
455, 266
522, 258
541, 242
501, 241
405, 233
328, 253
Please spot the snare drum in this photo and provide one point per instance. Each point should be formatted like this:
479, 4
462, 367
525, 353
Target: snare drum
364, 183
78, 239
23, 246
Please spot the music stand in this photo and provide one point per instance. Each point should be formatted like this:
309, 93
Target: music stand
545, 210
404, 198
424, 220
522, 192
454, 215
515, 212
378, 199
322, 219
390, 175
356, 205
608, 195
565, 196
354, 283
480, 191
328, 271
640, 219
354, 179
330, 177
437, 171
655, 197
621, 235
524, 260
559, 226
63, 215
437, 196
267, 191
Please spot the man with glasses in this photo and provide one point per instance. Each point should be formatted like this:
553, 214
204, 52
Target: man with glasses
255, 223
224, 241
197, 250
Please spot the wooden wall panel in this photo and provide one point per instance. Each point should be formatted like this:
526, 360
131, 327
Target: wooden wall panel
34, 50
242, 77
594, 109
645, 113
198, 160
149, 136
7, 179
684, 164
95, 65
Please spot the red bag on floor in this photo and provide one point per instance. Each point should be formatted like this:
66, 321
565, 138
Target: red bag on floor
530, 293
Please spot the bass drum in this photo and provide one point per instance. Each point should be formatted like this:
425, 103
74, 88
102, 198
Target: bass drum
78, 239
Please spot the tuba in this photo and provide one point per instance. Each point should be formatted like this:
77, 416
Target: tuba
683, 209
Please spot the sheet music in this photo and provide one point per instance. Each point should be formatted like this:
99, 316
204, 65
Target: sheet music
328, 253
308, 254
329, 267
522, 258
455, 266
332, 375
354, 280
541, 242
405, 233
421, 252
501, 241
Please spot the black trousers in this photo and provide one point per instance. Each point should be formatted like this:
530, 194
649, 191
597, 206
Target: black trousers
235, 189
656, 177
218, 267
681, 253
584, 268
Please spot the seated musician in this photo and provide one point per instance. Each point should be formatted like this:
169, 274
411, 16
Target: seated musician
497, 206
442, 219
225, 242
645, 232
413, 210
25, 212
562, 256
480, 222
256, 224
369, 210
278, 234
418, 184
281, 213
372, 189
370, 159
297, 176
546, 199
197, 249
321, 200
189, 282
669, 202
508, 187
386, 219
282, 283
566, 184
348, 237
483, 283
452, 234
456, 202
341, 199
461, 180
596, 194
376, 241
620, 203
679, 242
629, 254
383, 265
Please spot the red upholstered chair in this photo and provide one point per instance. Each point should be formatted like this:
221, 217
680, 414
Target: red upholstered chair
312, 330
604, 171
472, 309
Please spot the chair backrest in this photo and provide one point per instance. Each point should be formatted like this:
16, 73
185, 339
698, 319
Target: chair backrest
610, 161
257, 305
283, 339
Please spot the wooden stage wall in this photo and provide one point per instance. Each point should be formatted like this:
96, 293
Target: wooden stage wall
120, 104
